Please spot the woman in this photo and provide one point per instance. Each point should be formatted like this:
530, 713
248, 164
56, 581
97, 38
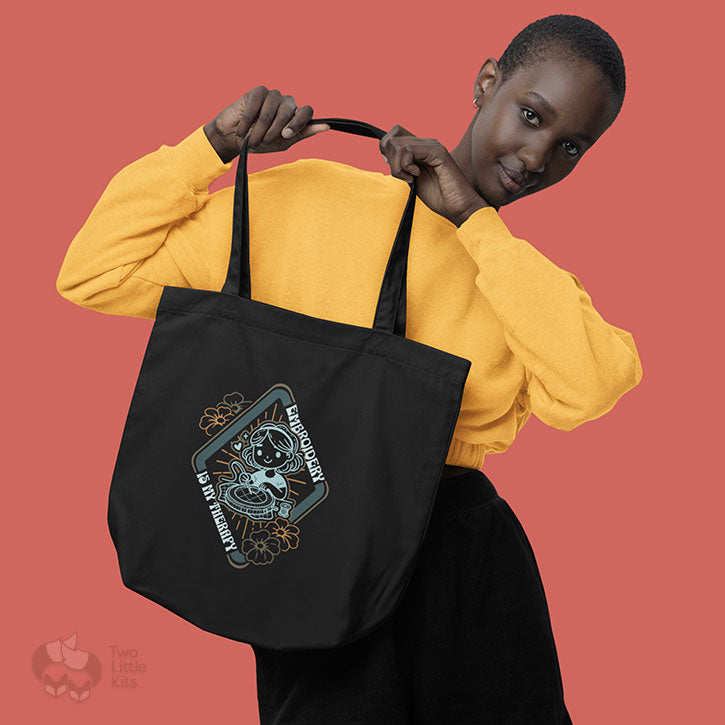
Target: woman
471, 641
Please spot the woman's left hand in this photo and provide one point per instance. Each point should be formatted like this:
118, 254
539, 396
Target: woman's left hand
441, 184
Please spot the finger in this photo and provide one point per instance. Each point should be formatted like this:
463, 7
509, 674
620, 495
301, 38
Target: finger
383, 144
252, 102
407, 160
298, 126
285, 111
312, 129
397, 162
265, 118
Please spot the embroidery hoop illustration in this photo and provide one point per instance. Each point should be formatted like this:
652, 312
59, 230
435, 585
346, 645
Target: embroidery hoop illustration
271, 478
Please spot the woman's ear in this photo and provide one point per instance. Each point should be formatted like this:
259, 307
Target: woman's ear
487, 79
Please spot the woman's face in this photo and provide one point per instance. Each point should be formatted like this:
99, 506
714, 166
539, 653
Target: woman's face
539, 123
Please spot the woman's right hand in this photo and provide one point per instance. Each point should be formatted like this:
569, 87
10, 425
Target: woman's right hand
262, 115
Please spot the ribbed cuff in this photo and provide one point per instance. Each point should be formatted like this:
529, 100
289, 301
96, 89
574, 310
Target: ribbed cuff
468, 455
484, 228
196, 161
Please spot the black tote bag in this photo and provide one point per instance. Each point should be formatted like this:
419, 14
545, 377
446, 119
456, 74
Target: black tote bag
277, 471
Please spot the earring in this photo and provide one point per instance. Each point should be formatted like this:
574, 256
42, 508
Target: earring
475, 100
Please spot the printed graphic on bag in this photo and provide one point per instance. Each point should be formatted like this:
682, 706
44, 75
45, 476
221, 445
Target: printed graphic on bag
259, 474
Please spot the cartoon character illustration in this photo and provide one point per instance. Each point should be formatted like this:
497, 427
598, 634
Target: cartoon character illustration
270, 474
272, 451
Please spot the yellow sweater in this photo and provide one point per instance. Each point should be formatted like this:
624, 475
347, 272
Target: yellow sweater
320, 235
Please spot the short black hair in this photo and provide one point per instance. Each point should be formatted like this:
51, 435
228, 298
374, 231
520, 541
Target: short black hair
569, 37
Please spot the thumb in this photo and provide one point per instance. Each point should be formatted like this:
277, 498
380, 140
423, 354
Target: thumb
313, 128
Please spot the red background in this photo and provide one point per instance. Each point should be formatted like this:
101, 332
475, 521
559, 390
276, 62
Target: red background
624, 512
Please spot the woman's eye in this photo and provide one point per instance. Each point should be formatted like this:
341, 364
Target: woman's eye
277, 454
528, 110
577, 151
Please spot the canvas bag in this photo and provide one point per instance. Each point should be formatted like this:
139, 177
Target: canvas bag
276, 472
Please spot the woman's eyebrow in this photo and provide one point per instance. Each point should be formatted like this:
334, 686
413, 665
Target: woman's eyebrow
550, 109
546, 105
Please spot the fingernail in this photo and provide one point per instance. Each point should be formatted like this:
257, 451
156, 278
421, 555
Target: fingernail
287, 132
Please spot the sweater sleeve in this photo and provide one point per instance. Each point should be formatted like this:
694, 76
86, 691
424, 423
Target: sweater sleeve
577, 365
135, 240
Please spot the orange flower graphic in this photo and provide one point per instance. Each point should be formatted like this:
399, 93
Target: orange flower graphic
287, 533
215, 418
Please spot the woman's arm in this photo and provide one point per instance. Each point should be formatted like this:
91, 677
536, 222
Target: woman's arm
577, 364
136, 239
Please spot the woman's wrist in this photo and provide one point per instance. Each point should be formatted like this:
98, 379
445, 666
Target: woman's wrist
480, 204
218, 144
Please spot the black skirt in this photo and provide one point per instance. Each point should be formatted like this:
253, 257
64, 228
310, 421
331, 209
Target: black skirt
470, 643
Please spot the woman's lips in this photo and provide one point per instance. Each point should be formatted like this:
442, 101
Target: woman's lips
508, 183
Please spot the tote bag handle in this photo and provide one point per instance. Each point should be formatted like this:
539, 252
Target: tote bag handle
391, 307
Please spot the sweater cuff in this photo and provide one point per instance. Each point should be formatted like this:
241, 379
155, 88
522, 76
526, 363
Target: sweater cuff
483, 230
196, 161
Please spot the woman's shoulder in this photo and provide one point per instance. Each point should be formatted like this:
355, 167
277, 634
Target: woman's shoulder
325, 169
316, 180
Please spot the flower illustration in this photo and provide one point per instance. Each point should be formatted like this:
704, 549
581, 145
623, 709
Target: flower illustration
260, 547
235, 401
215, 418
287, 533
